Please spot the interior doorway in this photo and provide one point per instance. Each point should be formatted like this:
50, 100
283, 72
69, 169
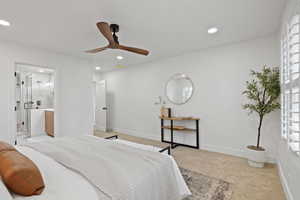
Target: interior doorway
34, 102
100, 106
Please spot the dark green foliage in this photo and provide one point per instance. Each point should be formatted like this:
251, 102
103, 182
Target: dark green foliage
263, 92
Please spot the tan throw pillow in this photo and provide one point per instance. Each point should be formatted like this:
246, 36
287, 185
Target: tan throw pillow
20, 174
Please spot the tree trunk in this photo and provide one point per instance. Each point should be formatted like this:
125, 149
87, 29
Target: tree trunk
258, 131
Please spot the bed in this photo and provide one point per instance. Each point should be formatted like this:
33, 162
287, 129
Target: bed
64, 182
34, 138
39, 138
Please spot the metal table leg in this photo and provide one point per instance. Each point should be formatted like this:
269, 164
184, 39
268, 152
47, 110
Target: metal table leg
162, 130
197, 134
172, 135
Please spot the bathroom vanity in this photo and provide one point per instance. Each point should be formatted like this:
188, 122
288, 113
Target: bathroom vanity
41, 122
49, 122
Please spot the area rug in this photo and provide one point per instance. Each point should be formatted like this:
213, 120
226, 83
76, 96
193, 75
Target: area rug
205, 187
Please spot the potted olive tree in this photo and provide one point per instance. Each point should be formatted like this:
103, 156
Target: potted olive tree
263, 92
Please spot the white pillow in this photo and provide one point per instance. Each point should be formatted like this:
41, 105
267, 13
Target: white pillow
4, 193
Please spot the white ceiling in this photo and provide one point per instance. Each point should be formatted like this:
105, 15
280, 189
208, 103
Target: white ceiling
165, 27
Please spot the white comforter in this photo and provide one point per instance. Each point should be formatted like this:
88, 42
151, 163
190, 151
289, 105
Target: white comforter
64, 184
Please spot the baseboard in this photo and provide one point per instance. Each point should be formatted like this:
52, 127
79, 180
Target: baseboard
271, 160
284, 183
100, 128
231, 151
225, 150
137, 133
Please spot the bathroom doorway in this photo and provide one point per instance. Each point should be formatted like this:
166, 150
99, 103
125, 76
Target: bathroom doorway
34, 102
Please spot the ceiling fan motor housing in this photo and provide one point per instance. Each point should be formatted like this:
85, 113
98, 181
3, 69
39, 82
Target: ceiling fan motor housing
114, 28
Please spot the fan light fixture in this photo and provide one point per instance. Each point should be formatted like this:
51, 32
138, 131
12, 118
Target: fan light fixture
212, 30
120, 57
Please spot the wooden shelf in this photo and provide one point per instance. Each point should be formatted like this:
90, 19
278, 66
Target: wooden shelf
179, 118
172, 127
178, 128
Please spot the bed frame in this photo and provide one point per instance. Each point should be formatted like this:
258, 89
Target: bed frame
168, 148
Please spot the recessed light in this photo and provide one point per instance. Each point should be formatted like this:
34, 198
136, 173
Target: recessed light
98, 68
41, 71
212, 30
4, 23
119, 57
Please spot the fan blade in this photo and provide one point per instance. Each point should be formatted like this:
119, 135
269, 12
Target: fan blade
96, 50
134, 50
105, 30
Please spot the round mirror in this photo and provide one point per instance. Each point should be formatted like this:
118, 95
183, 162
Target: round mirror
179, 89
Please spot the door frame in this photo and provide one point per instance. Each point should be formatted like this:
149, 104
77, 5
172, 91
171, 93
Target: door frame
56, 96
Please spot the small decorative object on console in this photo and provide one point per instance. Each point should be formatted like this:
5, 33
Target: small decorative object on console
165, 112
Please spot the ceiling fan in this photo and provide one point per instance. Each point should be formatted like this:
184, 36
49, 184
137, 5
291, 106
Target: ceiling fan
109, 32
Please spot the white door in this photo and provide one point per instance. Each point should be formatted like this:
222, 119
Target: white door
100, 106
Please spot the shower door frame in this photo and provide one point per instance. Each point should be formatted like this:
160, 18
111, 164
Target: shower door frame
25, 94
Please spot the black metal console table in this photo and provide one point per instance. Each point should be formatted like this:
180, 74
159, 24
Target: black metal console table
173, 128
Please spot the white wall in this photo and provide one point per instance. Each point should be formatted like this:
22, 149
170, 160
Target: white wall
219, 75
73, 94
289, 162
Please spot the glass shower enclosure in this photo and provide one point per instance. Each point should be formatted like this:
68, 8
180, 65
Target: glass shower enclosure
24, 103
34, 90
